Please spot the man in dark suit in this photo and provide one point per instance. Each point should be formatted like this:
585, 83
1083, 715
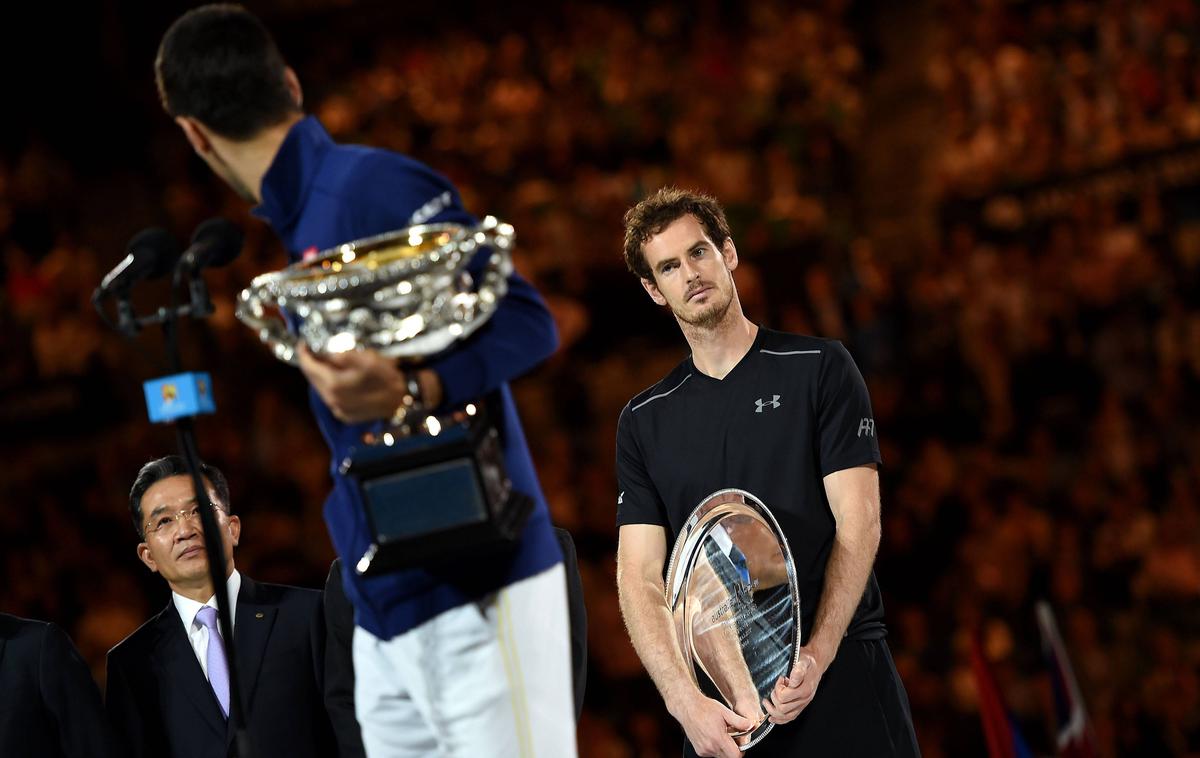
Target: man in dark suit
49, 705
578, 617
168, 684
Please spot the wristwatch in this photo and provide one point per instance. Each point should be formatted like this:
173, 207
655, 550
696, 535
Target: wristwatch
411, 402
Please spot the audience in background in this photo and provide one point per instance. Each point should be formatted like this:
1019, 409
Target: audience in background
1034, 388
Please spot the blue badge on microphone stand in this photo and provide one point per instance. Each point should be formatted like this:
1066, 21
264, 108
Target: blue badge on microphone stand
179, 395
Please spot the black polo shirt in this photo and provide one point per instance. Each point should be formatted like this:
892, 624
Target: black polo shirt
793, 410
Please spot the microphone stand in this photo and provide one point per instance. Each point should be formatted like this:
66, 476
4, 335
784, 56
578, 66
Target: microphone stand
169, 317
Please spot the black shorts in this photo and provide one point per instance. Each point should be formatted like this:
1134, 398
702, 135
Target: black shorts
860, 710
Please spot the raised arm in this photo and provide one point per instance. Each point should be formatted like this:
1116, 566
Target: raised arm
364, 386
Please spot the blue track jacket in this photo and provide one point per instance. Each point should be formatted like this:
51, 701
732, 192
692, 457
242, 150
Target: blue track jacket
318, 194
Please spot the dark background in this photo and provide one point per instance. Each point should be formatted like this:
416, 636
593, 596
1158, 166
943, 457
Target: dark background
993, 204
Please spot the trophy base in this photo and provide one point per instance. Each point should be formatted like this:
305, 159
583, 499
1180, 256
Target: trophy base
435, 499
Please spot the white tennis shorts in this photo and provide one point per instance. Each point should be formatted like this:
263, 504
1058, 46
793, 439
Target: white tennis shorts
489, 678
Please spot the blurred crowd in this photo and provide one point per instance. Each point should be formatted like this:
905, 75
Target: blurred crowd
1033, 388
1035, 88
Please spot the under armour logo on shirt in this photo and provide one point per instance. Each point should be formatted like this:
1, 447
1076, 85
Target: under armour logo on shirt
867, 427
772, 403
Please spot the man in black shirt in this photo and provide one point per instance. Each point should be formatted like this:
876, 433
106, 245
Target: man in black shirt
787, 418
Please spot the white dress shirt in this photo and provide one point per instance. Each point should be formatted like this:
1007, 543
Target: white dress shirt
198, 633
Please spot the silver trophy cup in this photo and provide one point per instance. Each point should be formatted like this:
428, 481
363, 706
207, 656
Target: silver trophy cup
406, 293
433, 488
731, 588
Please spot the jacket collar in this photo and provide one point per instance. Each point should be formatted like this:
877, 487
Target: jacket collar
256, 612
176, 664
286, 184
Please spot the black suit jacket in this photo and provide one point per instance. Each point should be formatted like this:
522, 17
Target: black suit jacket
161, 705
339, 665
578, 616
49, 705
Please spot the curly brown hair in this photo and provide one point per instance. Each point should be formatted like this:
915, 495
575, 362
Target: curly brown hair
658, 211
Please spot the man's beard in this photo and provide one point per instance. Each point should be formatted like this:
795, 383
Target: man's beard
710, 316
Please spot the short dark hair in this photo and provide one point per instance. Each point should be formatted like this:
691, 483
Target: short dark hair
165, 468
658, 211
219, 65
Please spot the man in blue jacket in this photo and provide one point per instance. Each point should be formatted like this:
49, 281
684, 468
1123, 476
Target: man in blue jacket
446, 664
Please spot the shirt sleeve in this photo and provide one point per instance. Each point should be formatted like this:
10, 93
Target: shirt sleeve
404, 193
638, 501
845, 423
519, 335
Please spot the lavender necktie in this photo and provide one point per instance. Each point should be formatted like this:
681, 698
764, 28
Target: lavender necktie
218, 670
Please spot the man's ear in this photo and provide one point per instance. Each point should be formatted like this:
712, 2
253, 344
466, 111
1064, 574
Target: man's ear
235, 529
729, 253
195, 134
292, 82
652, 290
143, 552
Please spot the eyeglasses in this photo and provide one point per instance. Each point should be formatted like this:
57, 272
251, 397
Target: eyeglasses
167, 523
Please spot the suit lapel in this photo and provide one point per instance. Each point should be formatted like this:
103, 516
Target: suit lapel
175, 657
255, 619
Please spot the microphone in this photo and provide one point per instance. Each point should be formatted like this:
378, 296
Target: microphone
215, 243
150, 254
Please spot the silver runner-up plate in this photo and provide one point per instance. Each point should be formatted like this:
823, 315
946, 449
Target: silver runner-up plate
731, 588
